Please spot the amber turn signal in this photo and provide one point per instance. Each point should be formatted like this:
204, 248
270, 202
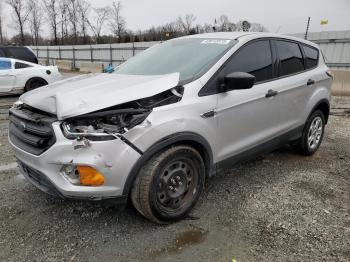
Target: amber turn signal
89, 176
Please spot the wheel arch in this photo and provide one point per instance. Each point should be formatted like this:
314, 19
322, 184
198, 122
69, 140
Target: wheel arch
183, 138
324, 106
32, 79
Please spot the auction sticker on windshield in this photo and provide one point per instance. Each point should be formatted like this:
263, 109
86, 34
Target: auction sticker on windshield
215, 41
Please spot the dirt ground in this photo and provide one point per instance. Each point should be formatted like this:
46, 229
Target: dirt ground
278, 207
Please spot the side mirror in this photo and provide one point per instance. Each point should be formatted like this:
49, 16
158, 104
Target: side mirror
237, 81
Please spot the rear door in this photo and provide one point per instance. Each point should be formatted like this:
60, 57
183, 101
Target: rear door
7, 77
293, 82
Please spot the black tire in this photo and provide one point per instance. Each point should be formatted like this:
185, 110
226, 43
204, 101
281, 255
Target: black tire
34, 84
302, 146
153, 193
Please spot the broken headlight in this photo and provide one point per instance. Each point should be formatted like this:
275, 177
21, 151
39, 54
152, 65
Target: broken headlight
104, 125
107, 124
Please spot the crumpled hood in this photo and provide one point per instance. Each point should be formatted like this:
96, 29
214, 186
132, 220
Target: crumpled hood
88, 93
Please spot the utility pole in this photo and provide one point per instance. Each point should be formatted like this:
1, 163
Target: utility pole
1, 36
1, 21
307, 28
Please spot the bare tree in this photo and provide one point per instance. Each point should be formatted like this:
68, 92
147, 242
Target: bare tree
73, 18
170, 30
256, 27
96, 22
63, 14
51, 8
117, 22
21, 15
35, 19
83, 13
186, 23
224, 24
247, 26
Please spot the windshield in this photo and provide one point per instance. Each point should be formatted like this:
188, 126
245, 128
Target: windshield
190, 57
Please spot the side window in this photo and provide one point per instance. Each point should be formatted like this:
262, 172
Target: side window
254, 58
19, 65
311, 56
290, 57
5, 64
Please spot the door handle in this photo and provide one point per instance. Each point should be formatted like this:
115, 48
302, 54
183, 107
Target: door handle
310, 82
209, 114
271, 93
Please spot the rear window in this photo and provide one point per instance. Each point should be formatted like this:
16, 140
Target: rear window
5, 64
21, 53
311, 56
290, 57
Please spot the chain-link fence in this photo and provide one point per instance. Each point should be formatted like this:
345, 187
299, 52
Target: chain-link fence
105, 53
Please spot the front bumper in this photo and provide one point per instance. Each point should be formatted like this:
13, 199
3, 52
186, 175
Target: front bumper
113, 158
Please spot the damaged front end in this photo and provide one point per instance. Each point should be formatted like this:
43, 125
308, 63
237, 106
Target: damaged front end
112, 122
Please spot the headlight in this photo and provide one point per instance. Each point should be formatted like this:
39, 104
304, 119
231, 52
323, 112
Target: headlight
104, 125
109, 124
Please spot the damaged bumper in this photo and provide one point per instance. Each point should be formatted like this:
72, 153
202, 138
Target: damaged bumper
114, 159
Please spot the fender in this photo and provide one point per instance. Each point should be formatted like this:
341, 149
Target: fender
322, 101
199, 142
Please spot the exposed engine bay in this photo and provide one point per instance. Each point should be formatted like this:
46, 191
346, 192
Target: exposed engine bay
119, 119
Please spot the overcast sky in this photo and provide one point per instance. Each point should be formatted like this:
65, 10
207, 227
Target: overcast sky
282, 16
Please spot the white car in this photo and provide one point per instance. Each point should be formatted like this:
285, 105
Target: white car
17, 76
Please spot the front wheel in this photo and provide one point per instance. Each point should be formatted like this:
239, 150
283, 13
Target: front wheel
312, 135
169, 185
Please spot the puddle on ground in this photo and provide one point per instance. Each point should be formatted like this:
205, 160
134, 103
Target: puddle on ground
182, 240
188, 238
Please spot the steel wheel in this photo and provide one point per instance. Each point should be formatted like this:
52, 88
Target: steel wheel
177, 185
169, 184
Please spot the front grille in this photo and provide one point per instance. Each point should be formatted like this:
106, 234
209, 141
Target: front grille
31, 130
39, 180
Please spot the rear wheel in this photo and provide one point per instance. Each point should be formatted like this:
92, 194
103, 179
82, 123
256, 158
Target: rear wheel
35, 83
312, 135
169, 185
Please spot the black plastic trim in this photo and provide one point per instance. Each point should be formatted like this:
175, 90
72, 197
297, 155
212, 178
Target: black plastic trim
263, 148
177, 138
30, 130
322, 101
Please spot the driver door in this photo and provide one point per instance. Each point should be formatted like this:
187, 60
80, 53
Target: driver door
7, 77
250, 117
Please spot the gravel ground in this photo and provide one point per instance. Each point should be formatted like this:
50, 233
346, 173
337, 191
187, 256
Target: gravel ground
278, 207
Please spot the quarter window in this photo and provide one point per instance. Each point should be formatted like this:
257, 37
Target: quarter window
255, 59
19, 65
290, 57
311, 56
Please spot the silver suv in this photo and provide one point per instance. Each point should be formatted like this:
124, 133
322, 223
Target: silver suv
170, 117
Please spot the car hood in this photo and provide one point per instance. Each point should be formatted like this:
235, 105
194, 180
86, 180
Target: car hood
88, 93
